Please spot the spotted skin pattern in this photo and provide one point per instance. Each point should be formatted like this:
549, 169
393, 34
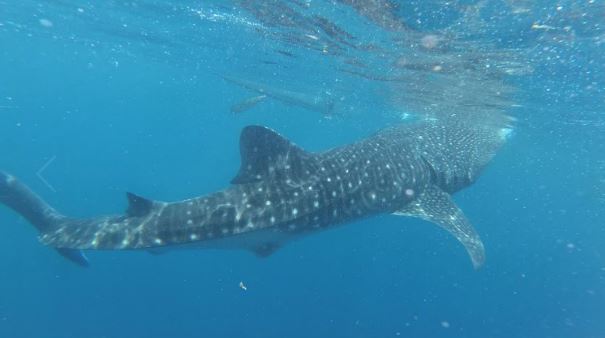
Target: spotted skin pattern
283, 191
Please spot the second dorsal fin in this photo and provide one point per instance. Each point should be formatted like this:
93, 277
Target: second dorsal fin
264, 153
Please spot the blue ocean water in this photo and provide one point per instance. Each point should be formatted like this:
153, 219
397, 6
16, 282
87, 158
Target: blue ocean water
97, 99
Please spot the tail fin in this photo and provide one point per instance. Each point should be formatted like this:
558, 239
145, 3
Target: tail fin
42, 216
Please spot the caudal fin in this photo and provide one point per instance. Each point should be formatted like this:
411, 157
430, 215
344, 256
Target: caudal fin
42, 216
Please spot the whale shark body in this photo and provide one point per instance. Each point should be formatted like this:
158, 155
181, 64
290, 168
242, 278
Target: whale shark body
283, 192
322, 103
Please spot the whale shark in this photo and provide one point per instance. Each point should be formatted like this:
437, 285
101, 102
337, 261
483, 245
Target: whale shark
283, 192
322, 103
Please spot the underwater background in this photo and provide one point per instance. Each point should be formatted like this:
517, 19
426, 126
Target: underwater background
101, 98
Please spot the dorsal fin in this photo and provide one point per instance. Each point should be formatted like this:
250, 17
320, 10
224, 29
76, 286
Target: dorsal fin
265, 153
138, 206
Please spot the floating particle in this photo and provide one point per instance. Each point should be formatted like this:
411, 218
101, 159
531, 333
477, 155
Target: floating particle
243, 286
538, 26
46, 23
430, 41
445, 324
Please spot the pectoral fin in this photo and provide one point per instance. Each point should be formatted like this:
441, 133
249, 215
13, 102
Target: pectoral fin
435, 205
75, 256
266, 249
